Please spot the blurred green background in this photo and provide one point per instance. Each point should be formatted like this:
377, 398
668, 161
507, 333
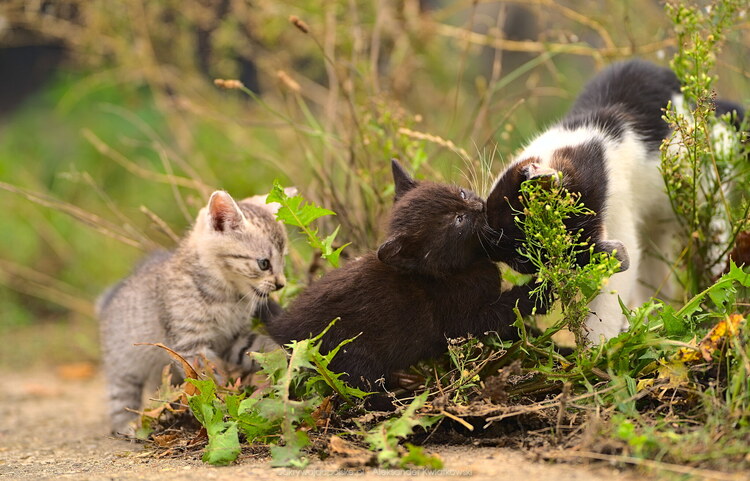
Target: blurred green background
113, 133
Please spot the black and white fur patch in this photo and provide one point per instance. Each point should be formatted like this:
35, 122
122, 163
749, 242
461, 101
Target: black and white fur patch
607, 148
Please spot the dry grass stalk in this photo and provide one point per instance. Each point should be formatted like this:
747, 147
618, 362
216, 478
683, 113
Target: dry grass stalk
532, 46
92, 220
136, 169
160, 224
437, 140
34, 283
647, 463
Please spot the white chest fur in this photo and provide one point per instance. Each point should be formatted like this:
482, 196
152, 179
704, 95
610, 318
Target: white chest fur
636, 212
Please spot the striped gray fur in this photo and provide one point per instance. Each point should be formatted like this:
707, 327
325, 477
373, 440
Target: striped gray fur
197, 299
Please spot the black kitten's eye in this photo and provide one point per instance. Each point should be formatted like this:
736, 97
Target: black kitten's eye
463, 194
264, 264
459, 218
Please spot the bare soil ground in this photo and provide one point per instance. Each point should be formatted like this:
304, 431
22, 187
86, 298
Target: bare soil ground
55, 428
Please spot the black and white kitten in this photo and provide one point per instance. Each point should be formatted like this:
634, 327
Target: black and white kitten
429, 281
607, 148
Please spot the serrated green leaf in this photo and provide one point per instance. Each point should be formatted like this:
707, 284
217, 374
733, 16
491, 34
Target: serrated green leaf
290, 454
223, 446
328, 242
295, 211
717, 291
282, 410
277, 194
384, 438
300, 356
202, 403
206, 388
223, 440
273, 363
232, 402
333, 257
251, 423
674, 325
417, 457
325, 375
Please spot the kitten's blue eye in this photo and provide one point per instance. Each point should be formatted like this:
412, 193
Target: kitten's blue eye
459, 218
463, 194
264, 264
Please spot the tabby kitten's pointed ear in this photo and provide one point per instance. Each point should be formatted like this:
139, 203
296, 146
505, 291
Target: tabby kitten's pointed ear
223, 212
402, 180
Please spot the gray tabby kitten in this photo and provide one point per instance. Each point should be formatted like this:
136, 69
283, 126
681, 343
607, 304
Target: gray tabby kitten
197, 299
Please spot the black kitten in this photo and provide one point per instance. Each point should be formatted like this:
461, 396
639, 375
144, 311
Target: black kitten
429, 281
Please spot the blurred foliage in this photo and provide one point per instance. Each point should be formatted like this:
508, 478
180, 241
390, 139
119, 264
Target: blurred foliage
705, 160
134, 119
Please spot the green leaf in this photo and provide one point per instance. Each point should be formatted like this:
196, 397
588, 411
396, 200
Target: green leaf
277, 410
251, 423
290, 454
232, 402
721, 293
331, 379
329, 253
273, 363
223, 440
384, 438
205, 397
223, 446
674, 325
417, 457
207, 388
622, 394
325, 375
295, 211
515, 277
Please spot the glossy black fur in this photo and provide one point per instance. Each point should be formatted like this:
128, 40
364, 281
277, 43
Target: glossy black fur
725, 106
430, 280
631, 94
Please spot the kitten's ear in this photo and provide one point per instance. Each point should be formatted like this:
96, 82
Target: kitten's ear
535, 170
223, 212
390, 251
503, 197
402, 180
507, 186
272, 207
614, 248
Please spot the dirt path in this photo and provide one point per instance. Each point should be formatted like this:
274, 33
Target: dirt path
52, 428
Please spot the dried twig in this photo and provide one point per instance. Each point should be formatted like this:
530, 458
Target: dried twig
34, 283
92, 220
136, 169
542, 406
542, 47
160, 224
